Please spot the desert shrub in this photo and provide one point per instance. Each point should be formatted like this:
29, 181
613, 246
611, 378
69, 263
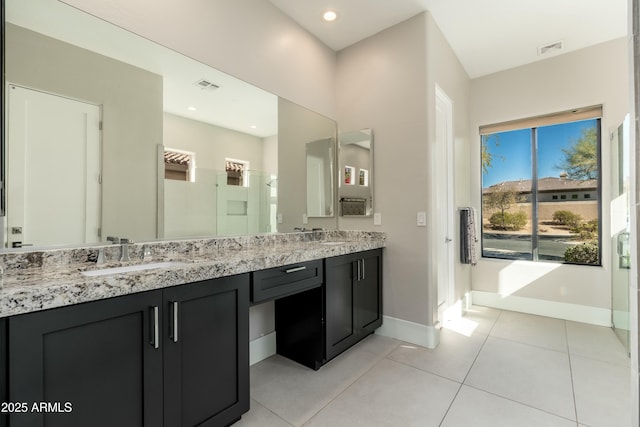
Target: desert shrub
508, 221
586, 230
567, 218
584, 253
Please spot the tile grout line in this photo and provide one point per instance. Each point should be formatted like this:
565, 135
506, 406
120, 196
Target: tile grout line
573, 388
348, 386
520, 403
275, 414
444, 417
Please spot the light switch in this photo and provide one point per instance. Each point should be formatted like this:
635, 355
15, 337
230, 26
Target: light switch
377, 218
421, 219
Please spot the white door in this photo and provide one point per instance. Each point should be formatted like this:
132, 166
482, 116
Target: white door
444, 201
53, 169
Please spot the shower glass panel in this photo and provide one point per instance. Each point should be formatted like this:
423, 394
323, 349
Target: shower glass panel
209, 206
620, 228
249, 209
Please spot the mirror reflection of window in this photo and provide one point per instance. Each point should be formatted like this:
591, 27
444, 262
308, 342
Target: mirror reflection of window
349, 172
178, 165
364, 178
237, 172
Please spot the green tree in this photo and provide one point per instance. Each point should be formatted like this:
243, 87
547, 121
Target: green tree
499, 198
581, 159
487, 157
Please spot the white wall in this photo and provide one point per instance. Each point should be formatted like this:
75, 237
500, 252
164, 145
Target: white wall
591, 76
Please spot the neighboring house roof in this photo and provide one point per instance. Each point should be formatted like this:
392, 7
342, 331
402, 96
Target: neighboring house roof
173, 158
547, 184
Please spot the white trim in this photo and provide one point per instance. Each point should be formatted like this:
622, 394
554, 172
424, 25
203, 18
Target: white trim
414, 333
559, 310
262, 348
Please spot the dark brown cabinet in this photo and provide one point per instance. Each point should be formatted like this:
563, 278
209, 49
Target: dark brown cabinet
206, 352
315, 326
172, 357
353, 299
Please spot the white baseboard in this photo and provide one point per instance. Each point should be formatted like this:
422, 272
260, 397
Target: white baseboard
558, 310
262, 348
414, 333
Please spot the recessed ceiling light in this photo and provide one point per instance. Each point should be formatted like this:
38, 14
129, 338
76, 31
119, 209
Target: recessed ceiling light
191, 108
330, 16
253, 127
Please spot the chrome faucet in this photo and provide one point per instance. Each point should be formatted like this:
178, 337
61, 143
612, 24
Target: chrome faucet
124, 249
146, 252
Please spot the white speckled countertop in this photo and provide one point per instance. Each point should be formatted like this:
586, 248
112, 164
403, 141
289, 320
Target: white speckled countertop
39, 280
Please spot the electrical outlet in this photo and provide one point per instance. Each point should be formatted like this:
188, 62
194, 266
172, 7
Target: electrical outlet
377, 218
421, 219
279, 218
305, 219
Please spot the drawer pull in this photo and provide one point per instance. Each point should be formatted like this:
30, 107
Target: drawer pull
294, 269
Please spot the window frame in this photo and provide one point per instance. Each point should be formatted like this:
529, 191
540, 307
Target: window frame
588, 113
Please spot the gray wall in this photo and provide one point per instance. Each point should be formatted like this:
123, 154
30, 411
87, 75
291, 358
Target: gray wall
249, 39
212, 144
131, 101
387, 83
296, 127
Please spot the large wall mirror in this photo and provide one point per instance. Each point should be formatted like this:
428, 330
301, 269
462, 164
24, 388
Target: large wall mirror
110, 134
356, 173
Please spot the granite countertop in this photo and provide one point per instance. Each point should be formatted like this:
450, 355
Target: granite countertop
35, 281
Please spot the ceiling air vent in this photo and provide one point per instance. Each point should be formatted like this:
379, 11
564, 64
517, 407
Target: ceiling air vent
205, 84
548, 48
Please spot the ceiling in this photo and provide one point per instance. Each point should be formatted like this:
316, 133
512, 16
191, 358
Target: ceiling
486, 35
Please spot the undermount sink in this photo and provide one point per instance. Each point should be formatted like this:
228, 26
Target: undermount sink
130, 268
332, 243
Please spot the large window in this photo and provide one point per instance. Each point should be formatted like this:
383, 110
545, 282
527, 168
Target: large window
541, 188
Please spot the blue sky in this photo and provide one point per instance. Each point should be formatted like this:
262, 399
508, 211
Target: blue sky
512, 153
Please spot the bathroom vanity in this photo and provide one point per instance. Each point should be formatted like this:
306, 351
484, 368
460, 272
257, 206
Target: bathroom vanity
169, 345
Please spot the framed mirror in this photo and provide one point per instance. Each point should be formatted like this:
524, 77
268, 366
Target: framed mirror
320, 173
355, 156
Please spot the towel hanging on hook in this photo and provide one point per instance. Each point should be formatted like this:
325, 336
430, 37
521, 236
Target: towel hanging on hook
468, 238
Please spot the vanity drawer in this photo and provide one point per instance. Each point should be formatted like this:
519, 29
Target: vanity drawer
287, 280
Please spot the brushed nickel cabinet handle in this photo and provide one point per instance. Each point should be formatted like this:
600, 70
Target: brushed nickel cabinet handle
174, 323
294, 269
155, 326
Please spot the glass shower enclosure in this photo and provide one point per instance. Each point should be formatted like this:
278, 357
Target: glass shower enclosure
620, 233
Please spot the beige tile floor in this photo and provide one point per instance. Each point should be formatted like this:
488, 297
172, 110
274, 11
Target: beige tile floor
492, 368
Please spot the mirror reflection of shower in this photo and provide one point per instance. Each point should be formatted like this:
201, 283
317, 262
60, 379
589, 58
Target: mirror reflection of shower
221, 203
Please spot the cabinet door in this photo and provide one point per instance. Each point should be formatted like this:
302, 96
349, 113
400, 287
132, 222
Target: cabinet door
340, 326
353, 299
92, 364
206, 350
369, 292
